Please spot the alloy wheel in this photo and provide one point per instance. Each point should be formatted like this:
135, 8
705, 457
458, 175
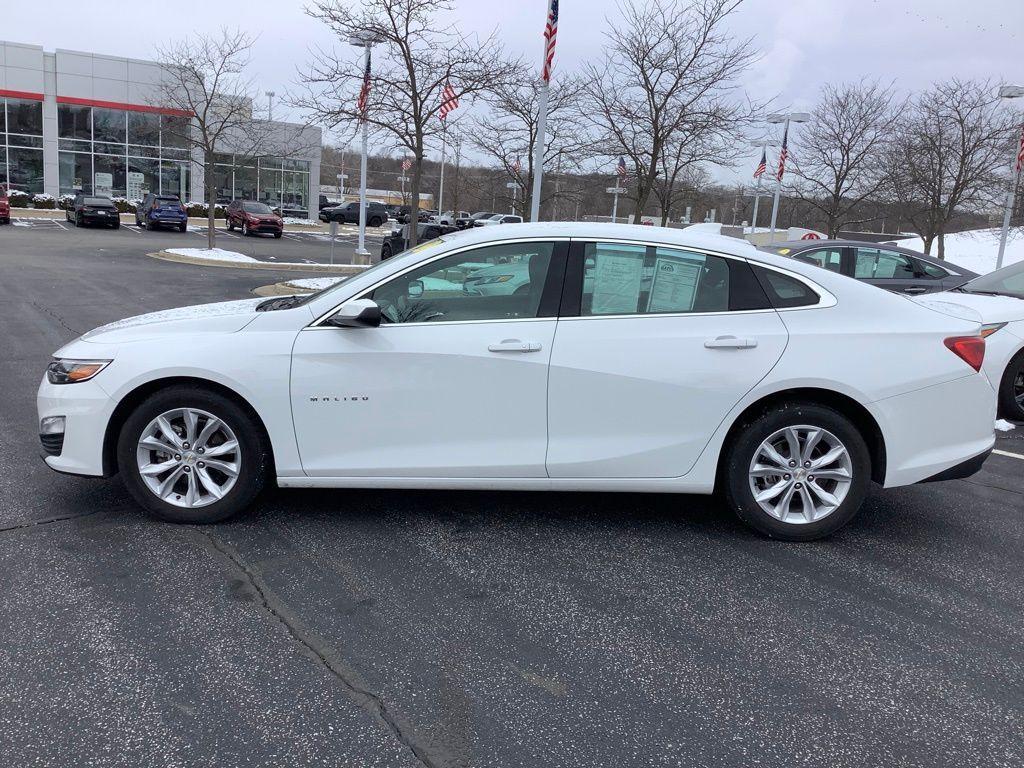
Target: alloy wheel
1018, 389
188, 457
800, 474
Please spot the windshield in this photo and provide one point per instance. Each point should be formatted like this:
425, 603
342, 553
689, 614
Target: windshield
256, 208
1008, 281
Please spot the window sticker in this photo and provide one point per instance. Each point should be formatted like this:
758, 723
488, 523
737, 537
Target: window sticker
675, 285
617, 276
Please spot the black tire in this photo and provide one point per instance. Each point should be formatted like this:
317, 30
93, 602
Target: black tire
183, 227
375, 221
116, 225
385, 251
277, 235
254, 454
78, 220
1011, 387
231, 226
735, 481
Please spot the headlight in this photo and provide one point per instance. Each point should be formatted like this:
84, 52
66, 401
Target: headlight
73, 371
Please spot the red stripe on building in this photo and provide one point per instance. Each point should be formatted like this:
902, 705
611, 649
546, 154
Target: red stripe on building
21, 95
120, 105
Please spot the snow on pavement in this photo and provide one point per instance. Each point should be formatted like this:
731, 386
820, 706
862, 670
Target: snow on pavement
314, 283
213, 254
974, 249
1004, 426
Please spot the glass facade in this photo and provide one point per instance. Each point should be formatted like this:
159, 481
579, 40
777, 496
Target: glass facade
122, 153
275, 181
21, 145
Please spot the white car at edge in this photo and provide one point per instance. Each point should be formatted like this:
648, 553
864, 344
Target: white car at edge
998, 298
637, 359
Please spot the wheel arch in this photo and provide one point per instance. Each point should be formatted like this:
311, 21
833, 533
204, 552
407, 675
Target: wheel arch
1006, 382
132, 399
844, 404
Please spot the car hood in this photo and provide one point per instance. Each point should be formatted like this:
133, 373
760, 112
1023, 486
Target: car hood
991, 309
221, 317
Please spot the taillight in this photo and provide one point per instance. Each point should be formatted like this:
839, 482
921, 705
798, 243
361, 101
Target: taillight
970, 349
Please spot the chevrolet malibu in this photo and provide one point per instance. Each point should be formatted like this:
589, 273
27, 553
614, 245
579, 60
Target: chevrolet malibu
636, 359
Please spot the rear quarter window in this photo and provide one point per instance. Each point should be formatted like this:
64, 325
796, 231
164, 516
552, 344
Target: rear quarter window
785, 292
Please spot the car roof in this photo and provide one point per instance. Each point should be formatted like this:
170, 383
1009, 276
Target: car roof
804, 245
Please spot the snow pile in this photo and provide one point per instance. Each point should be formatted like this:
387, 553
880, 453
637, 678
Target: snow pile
974, 249
211, 254
1004, 426
314, 283
302, 222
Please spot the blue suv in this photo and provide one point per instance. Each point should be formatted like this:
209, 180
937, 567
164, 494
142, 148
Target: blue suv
161, 211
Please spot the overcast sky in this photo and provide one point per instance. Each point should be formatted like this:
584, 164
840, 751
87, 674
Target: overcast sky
804, 43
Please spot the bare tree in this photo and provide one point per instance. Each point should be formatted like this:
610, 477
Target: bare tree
416, 54
839, 158
204, 77
949, 148
670, 69
507, 134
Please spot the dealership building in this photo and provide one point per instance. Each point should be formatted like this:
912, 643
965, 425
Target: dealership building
73, 121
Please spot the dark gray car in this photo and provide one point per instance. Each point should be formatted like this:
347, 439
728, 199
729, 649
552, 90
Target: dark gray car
887, 266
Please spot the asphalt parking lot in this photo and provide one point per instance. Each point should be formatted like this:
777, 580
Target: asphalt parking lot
368, 628
294, 245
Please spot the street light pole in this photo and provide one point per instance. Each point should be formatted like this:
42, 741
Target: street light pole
270, 105
763, 145
1010, 92
786, 119
362, 255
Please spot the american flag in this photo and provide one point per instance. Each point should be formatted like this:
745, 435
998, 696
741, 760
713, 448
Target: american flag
762, 166
550, 34
406, 164
517, 166
783, 154
449, 101
364, 92
621, 167
1020, 151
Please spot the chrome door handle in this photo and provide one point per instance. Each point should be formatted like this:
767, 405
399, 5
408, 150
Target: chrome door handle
730, 342
515, 345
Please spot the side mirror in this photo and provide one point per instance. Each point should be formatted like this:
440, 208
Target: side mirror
358, 313
415, 289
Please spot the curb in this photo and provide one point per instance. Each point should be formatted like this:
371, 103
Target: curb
340, 269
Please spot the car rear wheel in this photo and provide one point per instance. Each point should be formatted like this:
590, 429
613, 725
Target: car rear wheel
385, 251
799, 472
183, 228
1011, 389
189, 455
375, 221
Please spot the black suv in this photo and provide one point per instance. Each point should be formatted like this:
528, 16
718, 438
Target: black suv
887, 266
376, 213
93, 209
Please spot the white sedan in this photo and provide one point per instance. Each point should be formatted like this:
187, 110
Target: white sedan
635, 359
998, 298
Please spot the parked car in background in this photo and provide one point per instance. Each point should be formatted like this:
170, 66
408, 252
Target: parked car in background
999, 298
684, 364
448, 218
5, 208
93, 209
161, 211
425, 214
398, 240
498, 218
329, 202
254, 217
886, 266
376, 213
463, 222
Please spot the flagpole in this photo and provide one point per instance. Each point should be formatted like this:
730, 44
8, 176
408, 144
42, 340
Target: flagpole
778, 183
757, 200
615, 201
440, 192
550, 27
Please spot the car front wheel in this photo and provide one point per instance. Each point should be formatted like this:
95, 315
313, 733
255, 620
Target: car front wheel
190, 455
799, 472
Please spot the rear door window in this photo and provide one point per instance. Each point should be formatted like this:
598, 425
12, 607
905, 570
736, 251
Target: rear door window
880, 264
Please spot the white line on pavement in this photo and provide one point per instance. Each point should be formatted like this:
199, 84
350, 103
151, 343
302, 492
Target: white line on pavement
1007, 453
130, 228
61, 225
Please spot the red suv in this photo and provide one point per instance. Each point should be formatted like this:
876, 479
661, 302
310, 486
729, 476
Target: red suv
254, 218
5, 208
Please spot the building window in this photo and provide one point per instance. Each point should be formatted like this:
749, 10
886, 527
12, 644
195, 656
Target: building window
24, 116
144, 129
74, 122
175, 131
75, 172
174, 180
108, 175
108, 125
25, 169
